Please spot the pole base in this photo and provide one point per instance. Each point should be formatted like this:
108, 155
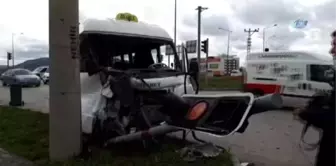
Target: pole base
15, 104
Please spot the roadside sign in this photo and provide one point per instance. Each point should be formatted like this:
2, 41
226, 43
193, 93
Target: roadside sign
169, 50
179, 49
299, 24
191, 46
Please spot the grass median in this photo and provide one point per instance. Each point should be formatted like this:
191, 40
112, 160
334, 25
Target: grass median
221, 83
25, 133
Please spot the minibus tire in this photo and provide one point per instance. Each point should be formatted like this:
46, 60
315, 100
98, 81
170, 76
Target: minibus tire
257, 93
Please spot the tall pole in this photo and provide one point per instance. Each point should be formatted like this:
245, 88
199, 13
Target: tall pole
13, 46
263, 40
264, 34
228, 49
13, 49
175, 14
174, 31
65, 95
228, 53
199, 10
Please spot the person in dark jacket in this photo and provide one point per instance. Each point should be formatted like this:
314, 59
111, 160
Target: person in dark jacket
194, 67
323, 118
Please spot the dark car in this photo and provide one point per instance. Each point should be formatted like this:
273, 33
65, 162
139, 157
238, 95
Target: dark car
21, 77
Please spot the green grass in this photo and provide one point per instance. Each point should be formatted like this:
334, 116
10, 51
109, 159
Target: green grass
25, 133
221, 83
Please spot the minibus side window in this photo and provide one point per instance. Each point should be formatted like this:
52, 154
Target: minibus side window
317, 72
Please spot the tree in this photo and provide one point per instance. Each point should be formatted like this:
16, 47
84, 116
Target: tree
127, 17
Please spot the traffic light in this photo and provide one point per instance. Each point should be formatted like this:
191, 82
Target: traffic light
9, 56
205, 46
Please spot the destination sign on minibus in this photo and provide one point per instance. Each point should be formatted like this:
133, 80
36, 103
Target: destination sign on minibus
277, 56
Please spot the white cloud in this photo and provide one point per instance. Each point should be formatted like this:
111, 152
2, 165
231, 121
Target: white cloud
31, 18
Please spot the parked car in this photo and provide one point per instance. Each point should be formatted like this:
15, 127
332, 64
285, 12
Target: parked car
21, 77
43, 73
236, 73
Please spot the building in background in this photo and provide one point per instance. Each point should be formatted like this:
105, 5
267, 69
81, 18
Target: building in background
230, 63
219, 65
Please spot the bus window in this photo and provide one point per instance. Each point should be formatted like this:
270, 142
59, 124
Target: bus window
317, 72
304, 86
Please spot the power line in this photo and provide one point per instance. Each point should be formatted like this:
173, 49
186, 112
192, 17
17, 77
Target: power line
250, 32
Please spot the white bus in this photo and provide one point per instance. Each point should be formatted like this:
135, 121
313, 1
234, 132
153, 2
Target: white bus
296, 75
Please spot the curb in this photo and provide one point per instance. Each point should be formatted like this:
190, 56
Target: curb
235, 160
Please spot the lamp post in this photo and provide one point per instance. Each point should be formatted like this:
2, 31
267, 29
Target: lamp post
175, 13
274, 25
267, 40
228, 49
13, 54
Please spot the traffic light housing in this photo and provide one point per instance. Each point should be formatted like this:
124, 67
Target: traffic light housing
205, 46
9, 56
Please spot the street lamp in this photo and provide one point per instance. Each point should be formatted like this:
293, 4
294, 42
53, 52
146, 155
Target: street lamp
269, 38
13, 34
274, 25
175, 13
228, 49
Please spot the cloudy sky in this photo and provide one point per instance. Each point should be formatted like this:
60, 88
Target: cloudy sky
31, 19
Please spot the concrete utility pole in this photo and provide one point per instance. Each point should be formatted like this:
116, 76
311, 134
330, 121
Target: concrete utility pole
199, 10
65, 102
249, 42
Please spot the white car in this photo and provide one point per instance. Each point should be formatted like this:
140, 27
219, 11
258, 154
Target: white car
43, 73
236, 73
45, 77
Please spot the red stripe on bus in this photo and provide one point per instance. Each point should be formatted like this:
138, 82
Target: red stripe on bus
266, 88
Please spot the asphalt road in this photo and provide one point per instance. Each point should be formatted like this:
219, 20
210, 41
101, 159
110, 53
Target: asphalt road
271, 139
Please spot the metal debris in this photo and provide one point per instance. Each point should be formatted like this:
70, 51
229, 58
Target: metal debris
193, 152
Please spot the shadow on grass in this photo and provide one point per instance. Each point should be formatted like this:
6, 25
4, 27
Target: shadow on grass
25, 133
